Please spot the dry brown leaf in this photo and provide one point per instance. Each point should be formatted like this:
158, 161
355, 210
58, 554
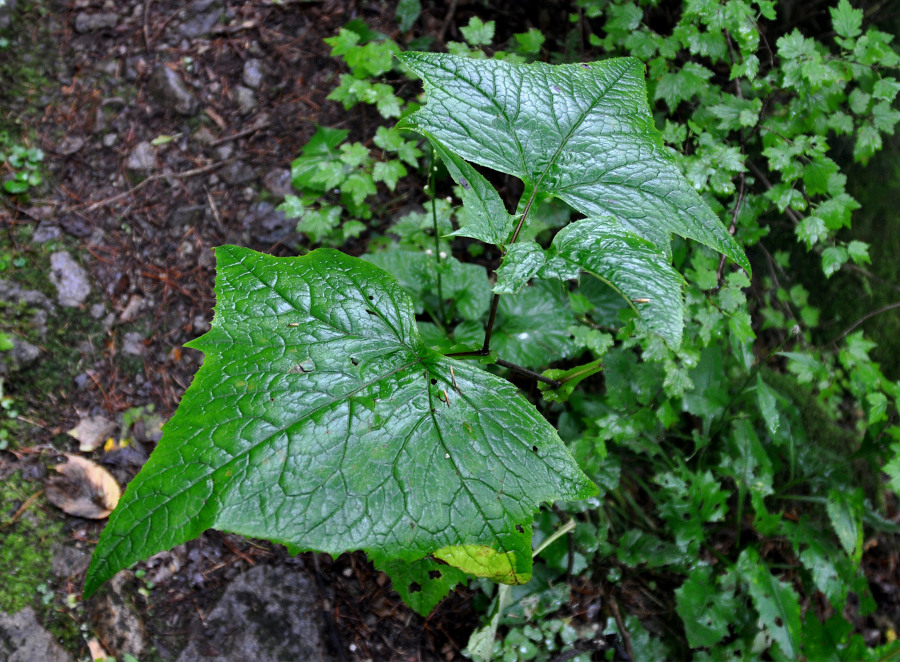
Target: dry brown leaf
83, 488
97, 651
92, 432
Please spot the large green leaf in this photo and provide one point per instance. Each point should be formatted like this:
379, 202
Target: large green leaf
625, 262
581, 132
321, 420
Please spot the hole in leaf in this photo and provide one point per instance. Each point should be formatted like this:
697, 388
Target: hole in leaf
372, 312
519, 528
414, 588
371, 297
778, 621
435, 574
354, 360
534, 449
709, 622
433, 381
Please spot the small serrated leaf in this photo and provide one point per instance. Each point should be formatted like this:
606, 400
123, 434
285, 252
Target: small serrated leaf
705, 609
776, 602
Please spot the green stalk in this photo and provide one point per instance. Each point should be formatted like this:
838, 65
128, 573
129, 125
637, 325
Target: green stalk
437, 239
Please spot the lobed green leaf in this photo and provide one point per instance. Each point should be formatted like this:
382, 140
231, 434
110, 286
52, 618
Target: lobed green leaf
321, 420
580, 132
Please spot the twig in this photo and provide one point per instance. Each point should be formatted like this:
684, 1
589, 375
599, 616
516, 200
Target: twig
240, 134
30, 500
234, 549
862, 319
147, 40
620, 623
447, 19
215, 210
794, 216
152, 178
731, 228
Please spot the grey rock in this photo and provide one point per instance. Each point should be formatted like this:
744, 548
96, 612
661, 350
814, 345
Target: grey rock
46, 232
70, 280
6, 12
69, 561
85, 22
237, 173
37, 305
224, 151
267, 614
116, 618
142, 157
201, 324
69, 145
278, 182
202, 15
267, 225
133, 343
110, 139
245, 98
23, 639
76, 225
12, 292
204, 136
169, 89
23, 353
190, 215
253, 73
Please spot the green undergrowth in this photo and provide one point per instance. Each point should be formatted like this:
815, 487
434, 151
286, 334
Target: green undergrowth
27, 53
25, 544
35, 388
733, 456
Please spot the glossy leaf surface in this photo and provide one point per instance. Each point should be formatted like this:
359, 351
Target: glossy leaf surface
628, 264
321, 420
580, 132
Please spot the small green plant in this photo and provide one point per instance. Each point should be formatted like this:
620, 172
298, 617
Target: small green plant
740, 443
23, 165
356, 432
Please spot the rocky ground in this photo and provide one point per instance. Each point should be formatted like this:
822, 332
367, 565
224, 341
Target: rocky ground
168, 128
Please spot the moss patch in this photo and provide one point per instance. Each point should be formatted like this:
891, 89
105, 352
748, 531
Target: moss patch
25, 545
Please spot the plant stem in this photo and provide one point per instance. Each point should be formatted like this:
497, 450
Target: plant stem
486, 347
496, 300
437, 238
552, 383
